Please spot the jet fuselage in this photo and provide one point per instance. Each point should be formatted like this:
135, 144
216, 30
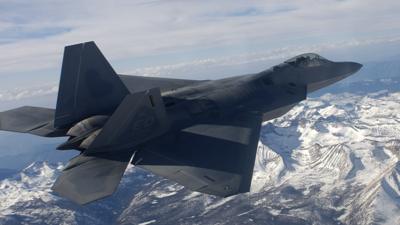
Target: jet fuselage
279, 87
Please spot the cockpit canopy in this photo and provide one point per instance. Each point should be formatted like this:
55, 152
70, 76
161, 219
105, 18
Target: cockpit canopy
307, 60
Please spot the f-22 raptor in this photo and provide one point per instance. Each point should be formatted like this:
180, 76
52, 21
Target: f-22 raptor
202, 134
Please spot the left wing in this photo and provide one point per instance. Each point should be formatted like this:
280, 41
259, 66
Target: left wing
34, 120
213, 158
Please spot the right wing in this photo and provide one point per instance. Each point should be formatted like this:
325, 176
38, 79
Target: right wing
142, 83
213, 158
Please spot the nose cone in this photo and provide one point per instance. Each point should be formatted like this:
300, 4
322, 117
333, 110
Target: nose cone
352, 67
334, 73
342, 70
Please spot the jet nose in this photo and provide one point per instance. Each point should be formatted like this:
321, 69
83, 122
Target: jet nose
345, 69
355, 66
332, 74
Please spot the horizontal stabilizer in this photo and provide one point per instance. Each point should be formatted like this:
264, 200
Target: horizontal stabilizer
213, 158
28, 119
89, 178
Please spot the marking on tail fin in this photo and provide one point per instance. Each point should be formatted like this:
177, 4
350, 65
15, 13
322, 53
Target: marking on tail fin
151, 101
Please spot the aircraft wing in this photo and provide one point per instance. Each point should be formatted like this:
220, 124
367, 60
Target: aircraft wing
28, 119
142, 83
213, 158
88, 178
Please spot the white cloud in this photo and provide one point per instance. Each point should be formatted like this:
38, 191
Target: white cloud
18, 93
209, 68
127, 29
255, 61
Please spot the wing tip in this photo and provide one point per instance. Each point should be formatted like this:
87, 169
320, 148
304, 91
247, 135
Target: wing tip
76, 197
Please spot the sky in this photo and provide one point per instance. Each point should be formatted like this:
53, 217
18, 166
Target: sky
187, 39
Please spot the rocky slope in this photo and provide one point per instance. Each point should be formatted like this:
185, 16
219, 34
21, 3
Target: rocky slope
333, 159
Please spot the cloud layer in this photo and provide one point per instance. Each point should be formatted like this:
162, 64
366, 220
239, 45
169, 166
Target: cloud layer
208, 68
32, 34
22, 93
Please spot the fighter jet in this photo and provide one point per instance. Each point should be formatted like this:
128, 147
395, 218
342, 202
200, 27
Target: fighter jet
202, 134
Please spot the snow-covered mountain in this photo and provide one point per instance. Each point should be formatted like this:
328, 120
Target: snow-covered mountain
333, 159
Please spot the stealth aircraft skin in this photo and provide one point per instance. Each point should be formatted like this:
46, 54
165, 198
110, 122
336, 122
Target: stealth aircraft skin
202, 134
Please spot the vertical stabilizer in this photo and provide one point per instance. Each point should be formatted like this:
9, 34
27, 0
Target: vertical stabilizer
88, 85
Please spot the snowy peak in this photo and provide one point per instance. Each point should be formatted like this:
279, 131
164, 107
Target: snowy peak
332, 159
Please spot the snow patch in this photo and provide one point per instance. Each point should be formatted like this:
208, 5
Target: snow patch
148, 222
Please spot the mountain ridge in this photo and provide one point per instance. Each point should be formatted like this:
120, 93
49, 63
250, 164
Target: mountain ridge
333, 159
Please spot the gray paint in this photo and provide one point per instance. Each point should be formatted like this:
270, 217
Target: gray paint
201, 134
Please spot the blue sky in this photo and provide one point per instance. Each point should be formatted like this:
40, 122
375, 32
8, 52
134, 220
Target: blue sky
191, 39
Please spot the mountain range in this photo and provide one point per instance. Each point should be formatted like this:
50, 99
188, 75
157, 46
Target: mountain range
332, 159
